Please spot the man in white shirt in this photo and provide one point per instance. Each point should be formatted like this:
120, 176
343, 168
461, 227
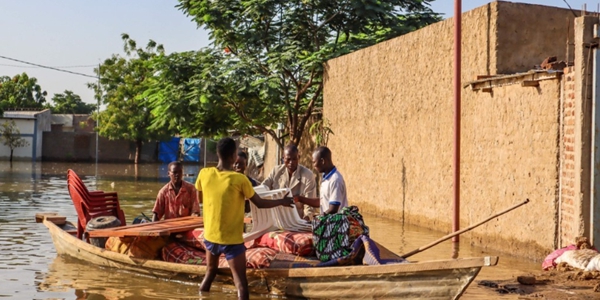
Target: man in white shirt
333, 188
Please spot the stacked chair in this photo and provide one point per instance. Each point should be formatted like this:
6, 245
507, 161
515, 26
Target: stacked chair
91, 204
269, 219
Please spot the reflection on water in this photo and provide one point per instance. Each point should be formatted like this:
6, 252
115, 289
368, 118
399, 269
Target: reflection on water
30, 269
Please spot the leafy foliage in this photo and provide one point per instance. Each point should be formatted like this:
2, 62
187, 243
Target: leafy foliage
267, 61
21, 91
70, 103
10, 136
123, 80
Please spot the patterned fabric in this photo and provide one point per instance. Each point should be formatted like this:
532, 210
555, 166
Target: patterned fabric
298, 243
334, 234
259, 258
365, 251
256, 258
169, 205
180, 253
195, 238
140, 247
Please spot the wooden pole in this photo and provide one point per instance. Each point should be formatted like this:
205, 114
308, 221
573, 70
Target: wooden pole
451, 235
457, 111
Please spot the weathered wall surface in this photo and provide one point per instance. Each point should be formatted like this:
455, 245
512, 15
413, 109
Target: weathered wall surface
528, 33
391, 108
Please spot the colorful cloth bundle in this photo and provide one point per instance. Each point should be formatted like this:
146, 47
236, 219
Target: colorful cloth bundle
334, 234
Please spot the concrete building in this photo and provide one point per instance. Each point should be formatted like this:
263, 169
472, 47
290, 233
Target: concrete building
31, 125
525, 134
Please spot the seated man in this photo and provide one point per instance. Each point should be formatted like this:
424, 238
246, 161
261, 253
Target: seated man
299, 179
333, 188
177, 198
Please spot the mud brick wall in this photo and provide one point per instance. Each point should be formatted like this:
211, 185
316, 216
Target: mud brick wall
391, 108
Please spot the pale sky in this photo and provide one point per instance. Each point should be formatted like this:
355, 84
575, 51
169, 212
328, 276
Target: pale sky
72, 33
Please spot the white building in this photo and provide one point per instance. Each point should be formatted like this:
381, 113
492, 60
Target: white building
31, 124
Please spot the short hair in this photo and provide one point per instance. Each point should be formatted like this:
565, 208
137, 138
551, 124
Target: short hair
323, 152
243, 155
292, 148
174, 163
226, 147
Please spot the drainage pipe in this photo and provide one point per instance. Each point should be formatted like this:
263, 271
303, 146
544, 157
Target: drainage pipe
457, 110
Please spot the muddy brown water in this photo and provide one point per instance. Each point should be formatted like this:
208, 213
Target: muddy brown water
30, 268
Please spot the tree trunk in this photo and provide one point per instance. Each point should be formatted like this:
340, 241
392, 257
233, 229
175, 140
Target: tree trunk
138, 151
11, 155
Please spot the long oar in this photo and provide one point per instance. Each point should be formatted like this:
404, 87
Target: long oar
451, 235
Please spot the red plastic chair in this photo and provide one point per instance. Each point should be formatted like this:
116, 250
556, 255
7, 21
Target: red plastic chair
89, 205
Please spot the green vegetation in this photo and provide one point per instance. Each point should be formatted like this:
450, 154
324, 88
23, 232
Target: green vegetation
21, 91
70, 103
266, 64
122, 83
10, 136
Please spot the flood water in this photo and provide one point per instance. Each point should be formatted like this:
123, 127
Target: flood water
30, 268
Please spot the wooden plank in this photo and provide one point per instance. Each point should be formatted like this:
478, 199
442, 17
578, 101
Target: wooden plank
159, 228
530, 83
479, 77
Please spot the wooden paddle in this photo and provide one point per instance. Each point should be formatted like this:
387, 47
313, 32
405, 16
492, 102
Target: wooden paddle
451, 235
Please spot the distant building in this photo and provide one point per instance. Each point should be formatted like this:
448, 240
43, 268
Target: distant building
31, 125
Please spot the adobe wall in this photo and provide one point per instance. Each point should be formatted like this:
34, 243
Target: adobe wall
391, 109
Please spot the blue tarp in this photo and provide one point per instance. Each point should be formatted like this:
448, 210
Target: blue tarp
191, 150
169, 151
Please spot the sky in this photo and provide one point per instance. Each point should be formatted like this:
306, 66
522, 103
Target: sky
78, 35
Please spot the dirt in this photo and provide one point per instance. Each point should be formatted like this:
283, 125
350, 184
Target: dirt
562, 282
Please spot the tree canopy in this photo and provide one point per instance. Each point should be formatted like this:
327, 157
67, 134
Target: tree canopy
70, 103
21, 91
123, 79
266, 62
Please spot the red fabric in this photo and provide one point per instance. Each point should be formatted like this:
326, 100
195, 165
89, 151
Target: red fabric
179, 253
298, 243
256, 258
549, 260
195, 238
169, 205
259, 258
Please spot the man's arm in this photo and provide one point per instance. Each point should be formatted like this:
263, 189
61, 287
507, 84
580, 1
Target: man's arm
268, 182
314, 202
333, 209
195, 206
262, 203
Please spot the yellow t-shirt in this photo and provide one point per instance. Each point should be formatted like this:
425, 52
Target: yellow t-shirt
223, 196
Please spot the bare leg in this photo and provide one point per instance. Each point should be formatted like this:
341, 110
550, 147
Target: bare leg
212, 264
238, 270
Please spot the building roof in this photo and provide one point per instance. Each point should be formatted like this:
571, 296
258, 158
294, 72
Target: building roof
14, 114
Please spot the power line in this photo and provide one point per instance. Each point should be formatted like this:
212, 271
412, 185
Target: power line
62, 67
47, 67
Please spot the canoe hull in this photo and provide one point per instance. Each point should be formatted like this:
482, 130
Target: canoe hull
445, 279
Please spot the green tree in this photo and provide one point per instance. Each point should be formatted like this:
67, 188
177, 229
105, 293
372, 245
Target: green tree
70, 103
122, 81
21, 91
266, 64
10, 135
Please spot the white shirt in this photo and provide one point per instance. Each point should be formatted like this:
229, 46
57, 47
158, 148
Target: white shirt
333, 191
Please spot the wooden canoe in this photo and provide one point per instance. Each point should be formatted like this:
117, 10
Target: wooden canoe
442, 279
